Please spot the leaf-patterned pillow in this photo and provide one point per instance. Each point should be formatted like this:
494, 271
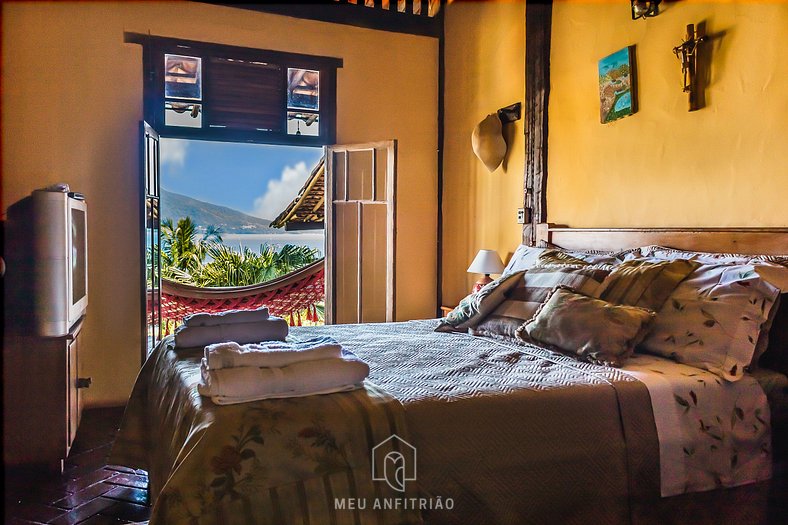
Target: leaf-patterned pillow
474, 307
590, 328
714, 318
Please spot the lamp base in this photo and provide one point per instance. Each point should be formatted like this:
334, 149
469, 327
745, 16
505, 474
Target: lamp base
481, 283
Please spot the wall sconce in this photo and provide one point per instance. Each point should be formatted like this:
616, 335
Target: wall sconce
644, 8
487, 137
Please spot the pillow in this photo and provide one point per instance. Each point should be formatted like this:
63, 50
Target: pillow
645, 283
526, 257
662, 252
559, 257
595, 330
474, 307
523, 258
714, 318
536, 285
773, 341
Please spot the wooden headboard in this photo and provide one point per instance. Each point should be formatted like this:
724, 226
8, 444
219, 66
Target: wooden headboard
768, 241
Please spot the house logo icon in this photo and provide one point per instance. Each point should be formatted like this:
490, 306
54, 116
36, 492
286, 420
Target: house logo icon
394, 461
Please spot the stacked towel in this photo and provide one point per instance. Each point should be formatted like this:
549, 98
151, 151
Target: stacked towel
227, 386
270, 329
272, 354
227, 317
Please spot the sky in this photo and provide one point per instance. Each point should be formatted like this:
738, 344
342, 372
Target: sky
253, 178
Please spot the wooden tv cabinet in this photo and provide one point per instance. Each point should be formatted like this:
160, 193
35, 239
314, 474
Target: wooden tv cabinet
42, 404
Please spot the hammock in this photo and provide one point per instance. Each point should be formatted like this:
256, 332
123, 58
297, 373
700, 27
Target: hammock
285, 296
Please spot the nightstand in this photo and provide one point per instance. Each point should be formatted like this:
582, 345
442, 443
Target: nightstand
446, 309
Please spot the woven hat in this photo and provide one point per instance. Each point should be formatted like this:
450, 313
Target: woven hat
487, 141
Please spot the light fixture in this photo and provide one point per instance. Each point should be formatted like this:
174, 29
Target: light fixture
644, 8
486, 262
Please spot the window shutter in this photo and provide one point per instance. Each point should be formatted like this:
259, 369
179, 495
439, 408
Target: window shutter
244, 94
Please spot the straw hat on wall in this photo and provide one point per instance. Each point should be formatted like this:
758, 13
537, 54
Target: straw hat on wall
487, 141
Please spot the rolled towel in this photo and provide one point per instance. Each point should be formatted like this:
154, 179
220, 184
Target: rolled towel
273, 354
241, 384
272, 329
227, 317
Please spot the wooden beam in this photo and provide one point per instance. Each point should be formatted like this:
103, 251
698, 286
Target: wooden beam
346, 13
538, 22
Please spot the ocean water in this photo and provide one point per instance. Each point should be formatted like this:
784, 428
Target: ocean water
313, 239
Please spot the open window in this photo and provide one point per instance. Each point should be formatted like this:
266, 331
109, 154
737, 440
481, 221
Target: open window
214, 92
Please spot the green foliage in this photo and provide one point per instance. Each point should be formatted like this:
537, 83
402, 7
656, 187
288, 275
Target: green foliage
184, 256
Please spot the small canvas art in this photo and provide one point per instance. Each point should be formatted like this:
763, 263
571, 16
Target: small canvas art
617, 93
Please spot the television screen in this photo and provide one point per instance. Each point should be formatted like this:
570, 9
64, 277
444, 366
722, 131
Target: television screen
78, 262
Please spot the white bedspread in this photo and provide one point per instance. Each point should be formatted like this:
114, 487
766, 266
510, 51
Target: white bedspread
712, 433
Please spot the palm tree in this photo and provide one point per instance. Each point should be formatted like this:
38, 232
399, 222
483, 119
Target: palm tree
181, 248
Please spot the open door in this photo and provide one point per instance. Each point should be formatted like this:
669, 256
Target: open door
151, 240
360, 232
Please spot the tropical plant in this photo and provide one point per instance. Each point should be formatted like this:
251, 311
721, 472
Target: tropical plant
206, 262
182, 248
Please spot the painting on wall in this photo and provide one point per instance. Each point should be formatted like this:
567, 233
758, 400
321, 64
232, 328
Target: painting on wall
617, 85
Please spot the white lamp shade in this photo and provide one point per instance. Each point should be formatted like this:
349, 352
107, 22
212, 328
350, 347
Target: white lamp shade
486, 261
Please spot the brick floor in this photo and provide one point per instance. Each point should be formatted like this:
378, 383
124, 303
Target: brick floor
89, 491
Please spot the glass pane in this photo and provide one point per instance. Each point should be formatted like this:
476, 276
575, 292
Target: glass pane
182, 77
303, 124
182, 114
303, 87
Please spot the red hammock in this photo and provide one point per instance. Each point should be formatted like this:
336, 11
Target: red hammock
285, 296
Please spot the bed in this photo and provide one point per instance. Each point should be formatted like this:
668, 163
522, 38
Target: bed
490, 430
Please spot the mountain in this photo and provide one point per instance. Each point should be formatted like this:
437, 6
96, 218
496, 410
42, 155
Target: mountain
175, 206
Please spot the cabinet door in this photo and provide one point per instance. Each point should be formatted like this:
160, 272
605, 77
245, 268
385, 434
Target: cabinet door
73, 391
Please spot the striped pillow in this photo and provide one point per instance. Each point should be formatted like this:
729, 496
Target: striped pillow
476, 306
537, 284
645, 283
559, 257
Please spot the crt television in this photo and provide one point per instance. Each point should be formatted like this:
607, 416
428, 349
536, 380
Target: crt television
47, 270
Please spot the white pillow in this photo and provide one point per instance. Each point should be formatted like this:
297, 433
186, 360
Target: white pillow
714, 318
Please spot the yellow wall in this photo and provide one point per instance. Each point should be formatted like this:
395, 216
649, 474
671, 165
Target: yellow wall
72, 100
724, 165
485, 60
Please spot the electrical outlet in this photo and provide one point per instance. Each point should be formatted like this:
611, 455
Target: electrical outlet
520, 215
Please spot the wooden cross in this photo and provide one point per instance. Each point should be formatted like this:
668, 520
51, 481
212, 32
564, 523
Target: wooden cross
687, 53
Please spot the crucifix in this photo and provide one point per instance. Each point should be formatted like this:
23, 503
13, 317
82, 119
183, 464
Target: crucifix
687, 53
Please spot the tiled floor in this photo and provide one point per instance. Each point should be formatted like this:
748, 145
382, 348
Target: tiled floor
89, 491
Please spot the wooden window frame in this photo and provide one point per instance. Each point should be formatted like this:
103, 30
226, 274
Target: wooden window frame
154, 49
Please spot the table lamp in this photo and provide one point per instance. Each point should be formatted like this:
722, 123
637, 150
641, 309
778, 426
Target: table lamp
486, 262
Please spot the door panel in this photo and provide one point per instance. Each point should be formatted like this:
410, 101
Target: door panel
151, 243
373, 262
360, 232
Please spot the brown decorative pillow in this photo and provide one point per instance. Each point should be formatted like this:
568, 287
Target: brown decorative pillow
595, 330
645, 283
537, 284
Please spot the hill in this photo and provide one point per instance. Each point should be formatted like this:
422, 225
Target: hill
175, 206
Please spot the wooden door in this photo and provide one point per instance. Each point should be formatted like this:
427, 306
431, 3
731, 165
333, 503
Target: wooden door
151, 241
361, 216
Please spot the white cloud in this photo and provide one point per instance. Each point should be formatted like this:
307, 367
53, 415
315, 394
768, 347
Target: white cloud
281, 191
173, 152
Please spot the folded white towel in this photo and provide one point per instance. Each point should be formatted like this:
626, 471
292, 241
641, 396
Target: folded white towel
227, 317
272, 329
272, 354
241, 384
